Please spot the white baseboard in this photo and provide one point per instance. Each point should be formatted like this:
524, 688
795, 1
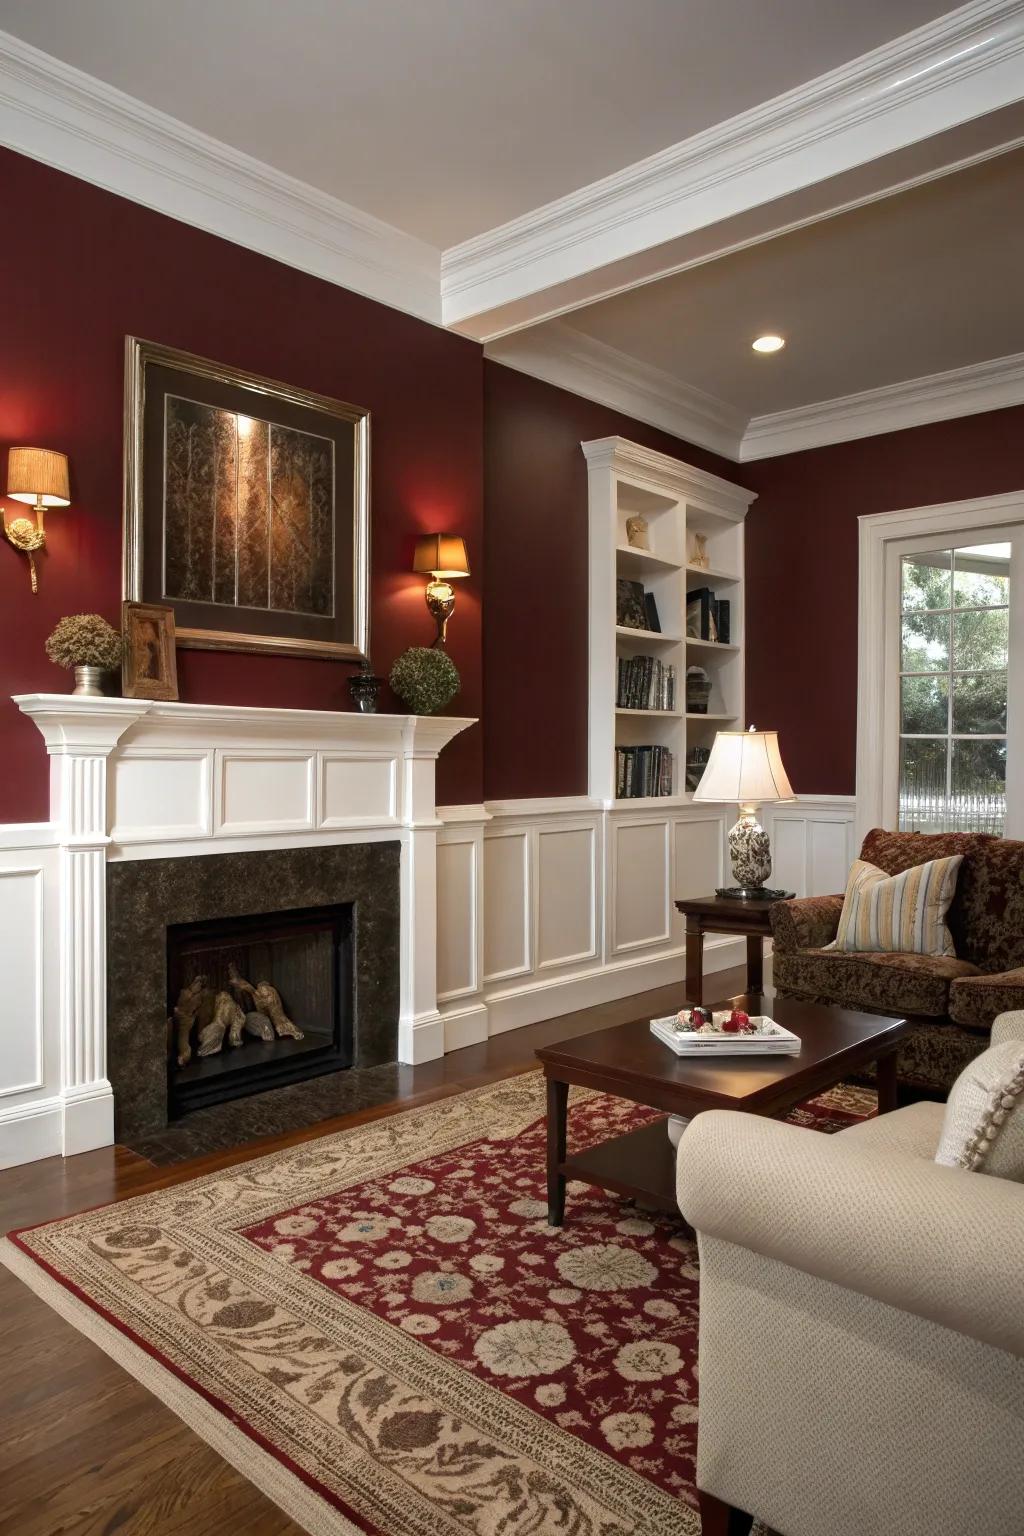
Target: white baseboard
554, 996
421, 1039
31, 1131
88, 1118
465, 1026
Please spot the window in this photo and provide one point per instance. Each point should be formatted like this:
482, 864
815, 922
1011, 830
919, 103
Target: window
953, 688
940, 686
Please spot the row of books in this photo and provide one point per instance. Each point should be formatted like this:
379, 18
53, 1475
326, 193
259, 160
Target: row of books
707, 617
644, 682
642, 771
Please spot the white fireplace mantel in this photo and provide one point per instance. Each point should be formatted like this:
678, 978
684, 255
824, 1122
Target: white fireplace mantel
134, 779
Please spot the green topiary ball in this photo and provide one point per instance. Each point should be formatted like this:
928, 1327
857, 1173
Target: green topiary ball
425, 679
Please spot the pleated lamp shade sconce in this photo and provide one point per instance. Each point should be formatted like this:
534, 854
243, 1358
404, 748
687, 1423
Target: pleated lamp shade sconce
442, 557
39, 478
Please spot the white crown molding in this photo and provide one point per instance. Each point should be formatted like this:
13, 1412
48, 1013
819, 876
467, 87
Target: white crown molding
561, 355
68, 119
664, 474
958, 67
988, 386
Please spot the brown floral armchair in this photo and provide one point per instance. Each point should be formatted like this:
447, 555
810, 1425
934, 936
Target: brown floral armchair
951, 1000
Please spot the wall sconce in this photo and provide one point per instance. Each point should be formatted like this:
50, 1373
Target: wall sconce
442, 556
38, 477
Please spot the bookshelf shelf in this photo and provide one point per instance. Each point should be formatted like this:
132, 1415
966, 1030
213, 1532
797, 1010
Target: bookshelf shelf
638, 562
647, 748
709, 645
657, 714
646, 636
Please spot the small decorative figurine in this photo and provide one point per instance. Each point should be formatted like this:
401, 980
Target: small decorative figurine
699, 552
636, 532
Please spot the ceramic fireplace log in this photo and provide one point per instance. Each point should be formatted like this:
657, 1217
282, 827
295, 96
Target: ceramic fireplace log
186, 1010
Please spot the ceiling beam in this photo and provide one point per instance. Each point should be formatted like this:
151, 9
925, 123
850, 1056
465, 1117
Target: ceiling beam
640, 223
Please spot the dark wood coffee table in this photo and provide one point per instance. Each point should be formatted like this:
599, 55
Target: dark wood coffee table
633, 1064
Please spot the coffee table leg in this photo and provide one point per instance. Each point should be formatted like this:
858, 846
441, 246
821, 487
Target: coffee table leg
755, 963
694, 961
885, 1068
558, 1103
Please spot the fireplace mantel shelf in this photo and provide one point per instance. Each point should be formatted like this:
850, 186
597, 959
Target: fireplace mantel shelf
82, 724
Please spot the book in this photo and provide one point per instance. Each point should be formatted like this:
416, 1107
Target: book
630, 610
644, 682
701, 615
722, 618
642, 772
768, 1038
651, 611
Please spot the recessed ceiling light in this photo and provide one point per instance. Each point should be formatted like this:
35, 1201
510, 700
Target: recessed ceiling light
769, 344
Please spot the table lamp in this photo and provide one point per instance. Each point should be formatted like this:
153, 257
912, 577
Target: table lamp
745, 768
441, 556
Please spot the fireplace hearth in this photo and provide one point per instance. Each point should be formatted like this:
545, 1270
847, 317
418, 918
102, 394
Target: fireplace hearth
257, 1001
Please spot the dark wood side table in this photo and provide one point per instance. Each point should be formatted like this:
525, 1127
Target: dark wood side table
724, 914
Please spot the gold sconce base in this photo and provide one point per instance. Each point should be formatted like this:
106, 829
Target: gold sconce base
441, 603
28, 537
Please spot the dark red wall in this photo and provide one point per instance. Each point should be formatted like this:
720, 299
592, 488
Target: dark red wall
535, 577
84, 268
802, 570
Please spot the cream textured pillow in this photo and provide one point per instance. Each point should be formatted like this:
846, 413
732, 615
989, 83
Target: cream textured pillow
983, 1129
902, 914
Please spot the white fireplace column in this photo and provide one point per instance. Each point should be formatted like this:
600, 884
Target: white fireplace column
79, 745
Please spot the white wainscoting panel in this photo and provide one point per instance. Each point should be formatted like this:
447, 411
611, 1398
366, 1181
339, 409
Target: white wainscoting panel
161, 797
265, 793
813, 843
358, 789
457, 969
566, 897
640, 885
699, 862
31, 1111
507, 905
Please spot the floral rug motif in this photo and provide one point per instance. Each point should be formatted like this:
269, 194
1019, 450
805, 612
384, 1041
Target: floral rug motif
380, 1329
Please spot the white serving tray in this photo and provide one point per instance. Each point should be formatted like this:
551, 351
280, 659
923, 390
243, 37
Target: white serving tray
771, 1039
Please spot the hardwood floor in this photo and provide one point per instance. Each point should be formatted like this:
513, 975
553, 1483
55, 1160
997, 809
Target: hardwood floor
84, 1449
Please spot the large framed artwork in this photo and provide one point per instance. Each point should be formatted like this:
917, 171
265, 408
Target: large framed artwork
246, 507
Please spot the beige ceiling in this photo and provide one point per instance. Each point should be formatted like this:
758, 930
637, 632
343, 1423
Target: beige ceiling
447, 117
914, 284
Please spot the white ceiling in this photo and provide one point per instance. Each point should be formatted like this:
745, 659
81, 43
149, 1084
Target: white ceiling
448, 117
911, 285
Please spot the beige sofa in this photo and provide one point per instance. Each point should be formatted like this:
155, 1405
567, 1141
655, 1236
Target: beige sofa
861, 1328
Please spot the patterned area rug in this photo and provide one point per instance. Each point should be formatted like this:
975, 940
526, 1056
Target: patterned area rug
382, 1332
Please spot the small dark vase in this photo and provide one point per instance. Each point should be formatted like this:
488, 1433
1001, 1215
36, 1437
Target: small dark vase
364, 688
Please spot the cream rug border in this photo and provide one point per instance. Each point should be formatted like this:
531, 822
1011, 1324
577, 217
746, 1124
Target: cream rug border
255, 1465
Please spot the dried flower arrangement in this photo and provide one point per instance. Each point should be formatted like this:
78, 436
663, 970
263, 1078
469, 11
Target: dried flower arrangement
85, 640
426, 678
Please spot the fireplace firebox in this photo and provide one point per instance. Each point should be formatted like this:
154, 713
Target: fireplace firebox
257, 1001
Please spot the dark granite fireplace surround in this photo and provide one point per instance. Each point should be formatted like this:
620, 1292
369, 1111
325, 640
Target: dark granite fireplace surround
145, 897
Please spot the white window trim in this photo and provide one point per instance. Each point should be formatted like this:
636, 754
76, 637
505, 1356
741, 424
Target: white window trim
946, 520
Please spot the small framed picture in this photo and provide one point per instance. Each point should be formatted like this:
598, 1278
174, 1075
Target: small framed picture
148, 666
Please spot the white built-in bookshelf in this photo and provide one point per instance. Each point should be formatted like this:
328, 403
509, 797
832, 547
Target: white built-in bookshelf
677, 502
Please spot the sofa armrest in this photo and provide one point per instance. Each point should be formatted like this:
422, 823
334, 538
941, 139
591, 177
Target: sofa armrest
938, 1242
1008, 1026
810, 922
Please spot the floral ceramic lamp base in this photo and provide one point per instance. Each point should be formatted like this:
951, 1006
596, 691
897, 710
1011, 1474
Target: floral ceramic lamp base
751, 853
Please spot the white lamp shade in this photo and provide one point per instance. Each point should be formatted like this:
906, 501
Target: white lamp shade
745, 769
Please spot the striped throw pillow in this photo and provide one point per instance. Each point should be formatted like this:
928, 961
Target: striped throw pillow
899, 913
